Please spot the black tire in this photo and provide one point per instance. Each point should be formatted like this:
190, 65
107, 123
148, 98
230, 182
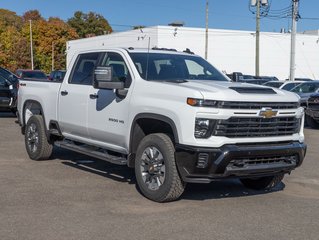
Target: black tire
14, 111
169, 185
263, 183
311, 122
36, 142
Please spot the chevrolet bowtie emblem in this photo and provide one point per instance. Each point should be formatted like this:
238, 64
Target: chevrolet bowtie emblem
267, 113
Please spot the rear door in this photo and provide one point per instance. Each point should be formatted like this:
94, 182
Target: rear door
74, 97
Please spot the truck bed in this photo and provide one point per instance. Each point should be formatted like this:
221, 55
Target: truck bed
43, 92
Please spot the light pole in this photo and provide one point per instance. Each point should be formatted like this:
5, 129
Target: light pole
206, 32
31, 45
257, 38
52, 56
262, 8
295, 16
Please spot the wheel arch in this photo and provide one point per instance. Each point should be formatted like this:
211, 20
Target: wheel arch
148, 123
35, 108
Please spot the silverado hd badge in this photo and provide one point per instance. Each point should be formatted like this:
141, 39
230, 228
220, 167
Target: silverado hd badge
267, 113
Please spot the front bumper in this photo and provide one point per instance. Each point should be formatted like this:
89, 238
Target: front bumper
314, 113
204, 165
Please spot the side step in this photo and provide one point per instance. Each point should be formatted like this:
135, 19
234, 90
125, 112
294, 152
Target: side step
92, 151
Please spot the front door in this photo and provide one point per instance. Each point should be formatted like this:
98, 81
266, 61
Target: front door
108, 112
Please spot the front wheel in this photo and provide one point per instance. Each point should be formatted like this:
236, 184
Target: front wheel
155, 169
36, 142
263, 182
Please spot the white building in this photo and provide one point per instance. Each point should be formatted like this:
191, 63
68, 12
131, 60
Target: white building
229, 50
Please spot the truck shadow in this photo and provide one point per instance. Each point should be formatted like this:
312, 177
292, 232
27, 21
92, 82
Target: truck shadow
7, 115
228, 188
93, 165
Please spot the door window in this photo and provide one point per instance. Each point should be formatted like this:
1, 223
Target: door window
83, 70
119, 68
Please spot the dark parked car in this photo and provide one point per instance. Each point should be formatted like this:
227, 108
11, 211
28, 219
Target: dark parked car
57, 75
275, 84
31, 74
254, 81
312, 111
8, 94
240, 77
8, 75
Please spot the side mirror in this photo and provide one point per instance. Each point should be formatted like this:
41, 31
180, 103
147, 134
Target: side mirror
103, 79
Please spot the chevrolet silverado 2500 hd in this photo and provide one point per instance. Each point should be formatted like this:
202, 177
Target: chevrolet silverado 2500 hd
170, 115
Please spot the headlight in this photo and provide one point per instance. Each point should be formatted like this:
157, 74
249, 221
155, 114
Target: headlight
203, 127
201, 102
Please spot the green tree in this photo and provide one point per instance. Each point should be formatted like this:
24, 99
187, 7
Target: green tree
89, 24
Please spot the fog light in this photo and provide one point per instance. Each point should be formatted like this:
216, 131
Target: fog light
202, 160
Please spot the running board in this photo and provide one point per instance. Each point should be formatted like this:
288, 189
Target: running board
92, 152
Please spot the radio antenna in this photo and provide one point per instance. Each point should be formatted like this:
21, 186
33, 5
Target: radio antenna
147, 58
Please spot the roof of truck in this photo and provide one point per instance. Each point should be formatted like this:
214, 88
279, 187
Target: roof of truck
159, 50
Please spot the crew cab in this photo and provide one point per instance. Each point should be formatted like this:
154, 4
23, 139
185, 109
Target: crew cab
170, 115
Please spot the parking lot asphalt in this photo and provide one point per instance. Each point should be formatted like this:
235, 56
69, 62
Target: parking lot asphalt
72, 196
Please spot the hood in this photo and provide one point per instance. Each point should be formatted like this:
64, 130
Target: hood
234, 91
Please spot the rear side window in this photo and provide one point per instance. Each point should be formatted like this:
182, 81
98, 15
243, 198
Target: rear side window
83, 70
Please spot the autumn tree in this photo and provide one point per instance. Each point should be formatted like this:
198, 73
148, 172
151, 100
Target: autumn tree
33, 15
48, 36
9, 18
13, 47
89, 24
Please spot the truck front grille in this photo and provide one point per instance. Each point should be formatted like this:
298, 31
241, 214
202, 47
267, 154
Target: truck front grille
241, 127
252, 162
258, 105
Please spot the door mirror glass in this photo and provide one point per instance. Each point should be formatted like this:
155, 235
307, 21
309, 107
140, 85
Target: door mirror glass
103, 79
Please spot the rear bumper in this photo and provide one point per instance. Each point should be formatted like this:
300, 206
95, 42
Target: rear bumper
204, 165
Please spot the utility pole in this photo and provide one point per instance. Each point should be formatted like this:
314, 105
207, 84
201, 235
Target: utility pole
295, 15
52, 56
31, 45
257, 38
206, 33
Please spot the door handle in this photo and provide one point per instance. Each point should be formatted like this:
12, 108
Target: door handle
64, 93
94, 96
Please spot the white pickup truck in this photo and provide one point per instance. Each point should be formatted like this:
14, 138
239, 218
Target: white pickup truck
170, 115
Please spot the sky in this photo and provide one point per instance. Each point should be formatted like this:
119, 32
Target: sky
122, 14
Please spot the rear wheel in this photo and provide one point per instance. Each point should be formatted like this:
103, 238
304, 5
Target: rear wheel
155, 169
36, 142
263, 182
311, 122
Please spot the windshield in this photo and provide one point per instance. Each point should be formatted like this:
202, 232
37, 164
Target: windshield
290, 86
174, 67
8, 75
308, 87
